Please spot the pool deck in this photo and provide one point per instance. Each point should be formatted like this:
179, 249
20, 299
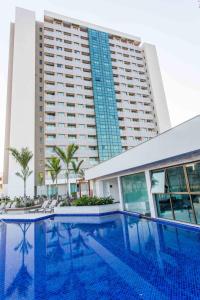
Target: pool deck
34, 217
24, 217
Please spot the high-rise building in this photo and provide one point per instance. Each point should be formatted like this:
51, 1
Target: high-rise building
74, 82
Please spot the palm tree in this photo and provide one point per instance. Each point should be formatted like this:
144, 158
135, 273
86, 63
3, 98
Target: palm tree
40, 179
67, 158
54, 167
77, 169
23, 158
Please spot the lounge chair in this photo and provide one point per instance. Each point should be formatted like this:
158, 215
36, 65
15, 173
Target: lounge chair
51, 207
41, 209
13, 205
2, 208
8, 205
44, 206
2, 205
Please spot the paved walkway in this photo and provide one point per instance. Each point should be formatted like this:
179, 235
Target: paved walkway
24, 217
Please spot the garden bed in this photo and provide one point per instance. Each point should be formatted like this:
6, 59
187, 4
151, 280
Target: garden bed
82, 210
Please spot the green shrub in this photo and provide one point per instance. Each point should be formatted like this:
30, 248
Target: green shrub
21, 204
89, 201
64, 203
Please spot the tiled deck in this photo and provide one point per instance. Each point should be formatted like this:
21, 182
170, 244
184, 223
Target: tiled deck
24, 217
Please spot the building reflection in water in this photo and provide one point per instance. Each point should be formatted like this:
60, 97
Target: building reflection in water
79, 258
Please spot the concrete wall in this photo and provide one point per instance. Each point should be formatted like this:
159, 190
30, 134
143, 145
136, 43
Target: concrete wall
96, 209
157, 89
8, 107
22, 123
110, 189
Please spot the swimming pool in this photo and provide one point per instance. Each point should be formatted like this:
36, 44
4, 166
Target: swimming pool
111, 257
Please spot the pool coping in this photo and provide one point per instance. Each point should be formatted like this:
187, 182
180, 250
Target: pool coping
187, 226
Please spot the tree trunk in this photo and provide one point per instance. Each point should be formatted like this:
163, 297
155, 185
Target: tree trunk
67, 177
56, 187
25, 190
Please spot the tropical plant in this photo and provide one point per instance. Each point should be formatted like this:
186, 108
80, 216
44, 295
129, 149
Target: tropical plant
90, 201
54, 167
82, 174
77, 170
40, 179
67, 157
23, 158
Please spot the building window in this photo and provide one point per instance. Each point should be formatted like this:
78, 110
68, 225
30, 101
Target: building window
135, 196
158, 182
196, 204
176, 179
182, 208
164, 207
176, 192
193, 172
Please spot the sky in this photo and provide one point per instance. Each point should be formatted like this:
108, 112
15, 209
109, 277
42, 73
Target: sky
172, 25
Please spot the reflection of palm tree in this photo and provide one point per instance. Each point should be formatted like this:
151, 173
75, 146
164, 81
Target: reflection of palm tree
73, 281
24, 246
23, 279
79, 244
57, 253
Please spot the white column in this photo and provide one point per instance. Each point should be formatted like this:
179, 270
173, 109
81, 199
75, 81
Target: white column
121, 202
150, 196
22, 123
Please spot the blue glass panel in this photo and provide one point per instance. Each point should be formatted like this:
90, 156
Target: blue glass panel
107, 124
135, 195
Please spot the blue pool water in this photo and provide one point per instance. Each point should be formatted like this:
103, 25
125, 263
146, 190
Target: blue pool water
111, 257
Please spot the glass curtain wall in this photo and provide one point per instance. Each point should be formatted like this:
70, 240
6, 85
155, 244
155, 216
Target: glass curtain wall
107, 124
177, 192
135, 196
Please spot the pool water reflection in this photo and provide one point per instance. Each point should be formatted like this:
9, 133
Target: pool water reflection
111, 257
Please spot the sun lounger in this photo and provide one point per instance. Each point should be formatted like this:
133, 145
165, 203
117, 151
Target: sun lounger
2, 208
51, 207
13, 205
41, 209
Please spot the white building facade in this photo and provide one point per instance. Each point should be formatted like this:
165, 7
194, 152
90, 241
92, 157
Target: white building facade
74, 82
159, 178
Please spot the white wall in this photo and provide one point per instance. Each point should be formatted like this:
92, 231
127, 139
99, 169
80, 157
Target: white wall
8, 109
157, 89
181, 139
110, 189
22, 126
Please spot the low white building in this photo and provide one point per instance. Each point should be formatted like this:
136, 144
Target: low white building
159, 178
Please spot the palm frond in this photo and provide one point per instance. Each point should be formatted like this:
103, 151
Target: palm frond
68, 155
61, 153
40, 178
77, 167
54, 167
81, 173
71, 150
19, 175
23, 157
